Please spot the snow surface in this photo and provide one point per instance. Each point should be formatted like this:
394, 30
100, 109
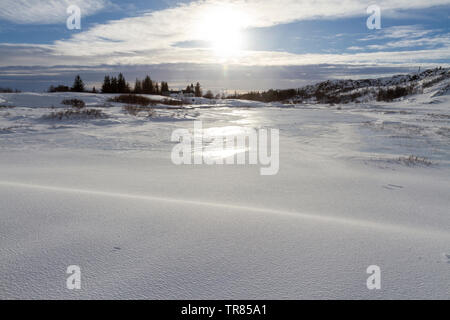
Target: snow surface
103, 194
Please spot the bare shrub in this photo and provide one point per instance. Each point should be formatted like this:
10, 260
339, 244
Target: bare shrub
415, 161
10, 129
170, 102
75, 103
6, 130
77, 114
132, 99
430, 83
135, 110
143, 101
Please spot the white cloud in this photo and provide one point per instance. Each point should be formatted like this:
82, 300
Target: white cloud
442, 40
355, 48
46, 11
407, 36
397, 32
32, 55
161, 29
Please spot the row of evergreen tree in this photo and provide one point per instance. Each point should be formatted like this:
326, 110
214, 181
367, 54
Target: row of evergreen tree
197, 90
115, 85
78, 86
267, 96
148, 86
119, 84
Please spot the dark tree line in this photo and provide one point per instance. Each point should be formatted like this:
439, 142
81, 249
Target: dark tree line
324, 95
267, 96
115, 85
60, 88
148, 86
196, 90
8, 90
78, 86
394, 93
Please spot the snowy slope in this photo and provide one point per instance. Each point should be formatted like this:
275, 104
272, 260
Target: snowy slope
366, 90
104, 195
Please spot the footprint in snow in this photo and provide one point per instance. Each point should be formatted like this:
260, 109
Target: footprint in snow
393, 187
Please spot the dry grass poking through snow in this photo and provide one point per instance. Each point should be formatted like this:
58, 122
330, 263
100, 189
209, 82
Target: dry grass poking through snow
135, 110
75, 103
131, 99
77, 114
415, 161
143, 101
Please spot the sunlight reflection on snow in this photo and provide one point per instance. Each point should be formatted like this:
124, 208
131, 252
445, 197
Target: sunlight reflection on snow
226, 134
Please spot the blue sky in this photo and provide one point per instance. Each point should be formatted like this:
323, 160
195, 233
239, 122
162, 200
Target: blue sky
240, 38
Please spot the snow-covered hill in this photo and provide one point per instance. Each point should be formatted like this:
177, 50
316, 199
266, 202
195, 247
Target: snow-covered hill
365, 90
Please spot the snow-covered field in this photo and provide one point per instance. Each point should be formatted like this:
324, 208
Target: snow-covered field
104, 194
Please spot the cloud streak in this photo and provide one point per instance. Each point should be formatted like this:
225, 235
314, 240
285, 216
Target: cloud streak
30, 55
46, 11
409, 36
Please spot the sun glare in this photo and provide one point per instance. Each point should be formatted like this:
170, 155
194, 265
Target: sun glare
222, 28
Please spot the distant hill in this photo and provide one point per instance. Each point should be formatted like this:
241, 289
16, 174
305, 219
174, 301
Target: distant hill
365, 90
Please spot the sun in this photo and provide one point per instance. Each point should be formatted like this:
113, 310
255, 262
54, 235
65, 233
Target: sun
222, 28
